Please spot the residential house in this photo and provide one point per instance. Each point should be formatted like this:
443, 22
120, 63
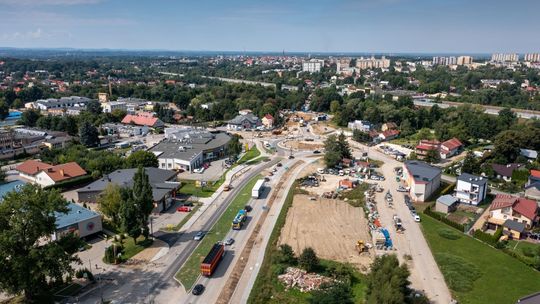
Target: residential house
389, 126
362, 125
424, 146
471, 189
446, 204
513, 229
505, 171
109, 107
45, 174
530, 155
388, 134
246, 121
268, 121
163, 183
143, 119
422, 179
532, 188
450, 148
507, 207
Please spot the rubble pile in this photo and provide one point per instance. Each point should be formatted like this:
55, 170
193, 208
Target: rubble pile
298, 278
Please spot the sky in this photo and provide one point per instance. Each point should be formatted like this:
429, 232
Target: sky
378, 26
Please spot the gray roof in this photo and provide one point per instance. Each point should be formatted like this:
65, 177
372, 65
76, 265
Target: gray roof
239, 119
124, 178
473, 179
447, 200
513, 225
531, 154
75, 215
188, 148
422, 171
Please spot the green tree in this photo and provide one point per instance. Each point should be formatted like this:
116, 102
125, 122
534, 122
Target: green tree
130, 216
110, 202
360, 136
4, 110
234, 147
286, 255
30, 117
332, 293
308, 259
507, 145
89, 134
470, 164
343, 145
142, 158
94, 107
143, 199
388, 281
27, 217
432, 156
334, 106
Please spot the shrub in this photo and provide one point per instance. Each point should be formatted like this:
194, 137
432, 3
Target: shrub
308, 259
79, 274
528, 252
448, 233
486, 237
443, 219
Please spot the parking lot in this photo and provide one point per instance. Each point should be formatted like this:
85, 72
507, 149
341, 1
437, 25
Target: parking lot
214, 172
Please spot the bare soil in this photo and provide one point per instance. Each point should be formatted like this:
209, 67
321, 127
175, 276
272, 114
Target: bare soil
330, 227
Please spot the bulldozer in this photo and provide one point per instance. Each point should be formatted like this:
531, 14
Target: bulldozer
361, 247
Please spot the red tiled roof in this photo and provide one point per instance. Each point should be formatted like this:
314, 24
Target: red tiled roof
526, 207
32, 167
535, 173
268, 116
452, 144
503, 201
65, 171
390, 132
140, 119
425, 147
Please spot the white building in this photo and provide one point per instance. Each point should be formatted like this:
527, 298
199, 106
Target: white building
109, 107
471, 189
362, 125
62, 103
313, 65
422, 179
502, 57
533, 57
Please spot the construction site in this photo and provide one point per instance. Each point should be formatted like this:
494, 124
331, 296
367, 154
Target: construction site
344, 225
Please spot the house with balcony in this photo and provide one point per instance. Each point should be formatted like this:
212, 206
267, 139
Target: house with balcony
532, 187
471, 189
450, 148
424, 146
507, 207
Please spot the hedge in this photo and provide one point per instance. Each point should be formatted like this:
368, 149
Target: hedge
443, 219
488, 238
72, 182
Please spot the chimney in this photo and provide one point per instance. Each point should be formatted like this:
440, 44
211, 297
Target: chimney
62, 172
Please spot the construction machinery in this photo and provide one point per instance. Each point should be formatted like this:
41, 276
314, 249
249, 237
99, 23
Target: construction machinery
239, 219
361, 246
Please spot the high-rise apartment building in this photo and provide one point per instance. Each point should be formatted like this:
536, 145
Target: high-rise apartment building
532, 57
464, 60
372, 63
505, 57
313, 65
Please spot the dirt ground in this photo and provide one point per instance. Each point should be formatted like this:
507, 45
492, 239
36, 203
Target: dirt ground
321, 128
343, 226
303, 145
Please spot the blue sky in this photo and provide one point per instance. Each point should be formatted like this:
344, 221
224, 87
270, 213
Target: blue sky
468, 26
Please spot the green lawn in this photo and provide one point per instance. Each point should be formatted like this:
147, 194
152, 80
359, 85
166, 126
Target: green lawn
189, 272
131, 249
257, 160
188, 187
475, 272
525, 249
251, 154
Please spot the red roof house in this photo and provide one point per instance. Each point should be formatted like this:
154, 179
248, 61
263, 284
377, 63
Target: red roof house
45, 174
143, 119
389, 134
450, 147
507, 207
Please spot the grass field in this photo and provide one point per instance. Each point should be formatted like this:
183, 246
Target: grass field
189, 272
475, 272
525, 249
131, 249
251, 154
188, 188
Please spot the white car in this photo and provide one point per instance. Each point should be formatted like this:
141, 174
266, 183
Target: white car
199, 170
416, 217
320, 170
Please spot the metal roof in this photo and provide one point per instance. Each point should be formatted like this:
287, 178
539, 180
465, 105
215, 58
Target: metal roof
473, 179
75, 215
447, 200
422, 171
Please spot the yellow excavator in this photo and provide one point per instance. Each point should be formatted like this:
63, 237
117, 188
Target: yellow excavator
361, 246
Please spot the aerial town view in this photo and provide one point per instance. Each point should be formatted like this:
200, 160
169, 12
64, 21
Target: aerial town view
306, 152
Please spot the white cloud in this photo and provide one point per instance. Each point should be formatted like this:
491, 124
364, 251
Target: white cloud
48, 2
30, 35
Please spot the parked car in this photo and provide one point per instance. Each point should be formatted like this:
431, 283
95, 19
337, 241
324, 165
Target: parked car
229, 241
248, 208
320, 170
199, 170
316, 152
291, 156
183, 209
415, 216
227, 188
198, 289
199, 236
279, 164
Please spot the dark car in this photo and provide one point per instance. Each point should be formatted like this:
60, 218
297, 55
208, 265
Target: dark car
198, 289
248, 208
316, 152
291, 156
279, 164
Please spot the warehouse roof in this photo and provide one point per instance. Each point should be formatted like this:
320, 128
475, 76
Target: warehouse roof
189, 147
421, 171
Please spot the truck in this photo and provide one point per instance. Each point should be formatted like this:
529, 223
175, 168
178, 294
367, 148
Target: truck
239, 219
212, 259
257, 189
397, 223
